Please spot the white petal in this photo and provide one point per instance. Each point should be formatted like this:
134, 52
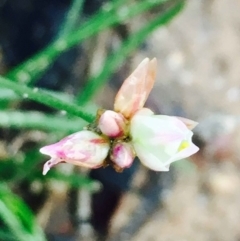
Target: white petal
157, 139
192, 149
49, 164
149, 160
189, 123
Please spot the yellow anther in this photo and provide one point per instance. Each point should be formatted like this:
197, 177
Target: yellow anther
183, 145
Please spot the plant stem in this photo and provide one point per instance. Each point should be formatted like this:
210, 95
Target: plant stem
109, 15
45, 98
73, 14
40, 121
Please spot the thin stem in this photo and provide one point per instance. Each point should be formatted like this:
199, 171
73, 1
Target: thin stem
45, 98
9, 95
19, 219
37, 120
110, 14
127, 47
10, 220
73, 14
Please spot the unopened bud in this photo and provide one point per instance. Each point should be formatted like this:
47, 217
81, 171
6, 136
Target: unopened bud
84, 148
123, 154
112, 124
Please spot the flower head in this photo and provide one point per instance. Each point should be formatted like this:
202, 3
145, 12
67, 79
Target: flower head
129, 130
160, 140
84, 148
122, 154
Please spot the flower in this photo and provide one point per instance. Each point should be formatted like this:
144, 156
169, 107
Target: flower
130, 130
122, 154
84, 148
157, 140
160, 140
112, 124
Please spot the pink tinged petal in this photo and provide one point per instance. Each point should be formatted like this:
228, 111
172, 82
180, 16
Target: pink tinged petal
135, 90
112, 124
160, 140
189, 123
123, 154
166, 137
158, 129
51, 150
84, 148
49, 164
77, 153
187, 152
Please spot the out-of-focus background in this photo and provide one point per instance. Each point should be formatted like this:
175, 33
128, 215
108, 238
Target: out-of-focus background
197, 45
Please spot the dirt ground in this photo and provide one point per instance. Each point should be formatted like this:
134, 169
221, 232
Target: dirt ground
199, 56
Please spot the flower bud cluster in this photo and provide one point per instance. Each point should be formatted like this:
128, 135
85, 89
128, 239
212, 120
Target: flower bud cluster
90, 148
116, 137
116, 128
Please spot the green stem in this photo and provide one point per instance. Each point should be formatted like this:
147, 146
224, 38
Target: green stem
74, 13
10, 220
127, 47
111, 14
9, 95
37, 120
17, 217
44, 98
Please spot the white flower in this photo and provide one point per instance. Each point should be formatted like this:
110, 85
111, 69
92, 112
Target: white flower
159, 140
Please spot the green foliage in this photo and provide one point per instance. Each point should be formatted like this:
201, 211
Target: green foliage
18, 220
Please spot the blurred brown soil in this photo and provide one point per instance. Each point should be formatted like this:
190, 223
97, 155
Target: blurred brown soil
198, 56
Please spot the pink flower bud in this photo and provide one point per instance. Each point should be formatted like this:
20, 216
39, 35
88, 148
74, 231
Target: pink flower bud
112, 124
123, 154
84, 148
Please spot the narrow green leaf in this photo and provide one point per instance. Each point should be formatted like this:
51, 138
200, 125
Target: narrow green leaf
73, 14
9, 95
6, 235
112, 13
40, 121
17, 217
45, 98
